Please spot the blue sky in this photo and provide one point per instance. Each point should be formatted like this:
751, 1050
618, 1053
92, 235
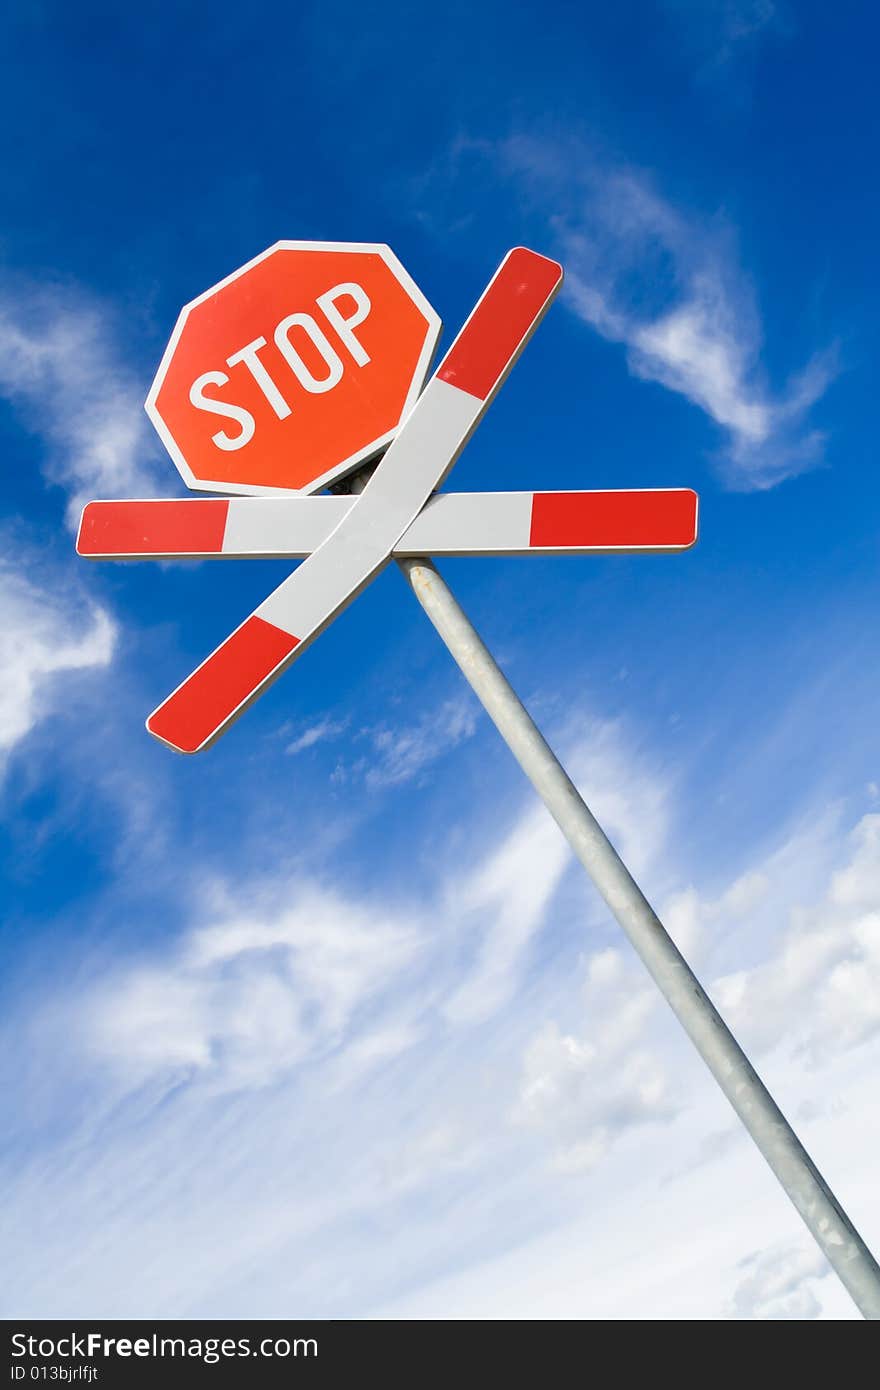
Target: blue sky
324, 1021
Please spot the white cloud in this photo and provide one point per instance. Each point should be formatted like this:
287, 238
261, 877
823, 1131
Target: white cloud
505, 901
271, 982
719, 1243
585, 1092
687, 916
668, 287
63, 366
277, 962
43, 635
813, 994
780, 1284
324, 731
510, 892
251, 995
820, 989
627, 792
295, 1096
401, 754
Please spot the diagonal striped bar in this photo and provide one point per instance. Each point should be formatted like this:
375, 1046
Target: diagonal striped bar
233, 676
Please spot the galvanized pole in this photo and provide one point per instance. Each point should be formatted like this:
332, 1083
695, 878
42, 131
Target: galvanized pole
822, 1214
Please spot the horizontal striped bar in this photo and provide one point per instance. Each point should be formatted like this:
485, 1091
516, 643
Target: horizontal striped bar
529, 523
465, 523
205, 529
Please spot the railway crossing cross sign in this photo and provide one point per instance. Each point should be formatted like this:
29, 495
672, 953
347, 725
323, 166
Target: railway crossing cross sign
296, 371
286, 377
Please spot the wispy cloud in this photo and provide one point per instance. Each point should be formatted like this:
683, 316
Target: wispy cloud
507, 897
326, 730
401, 754
64, 367
781, 1285
504, 900
718, 31
277, 974
667, 286
585, 1091
251, 995
317, 1068
821, 988
43, 634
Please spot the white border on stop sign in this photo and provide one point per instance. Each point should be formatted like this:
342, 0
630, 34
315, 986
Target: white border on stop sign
363, 455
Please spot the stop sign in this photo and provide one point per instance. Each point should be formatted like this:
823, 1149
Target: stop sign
294, 370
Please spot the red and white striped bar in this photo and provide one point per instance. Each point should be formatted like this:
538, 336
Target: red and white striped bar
480, 523
529, 523
201, 529
418, 459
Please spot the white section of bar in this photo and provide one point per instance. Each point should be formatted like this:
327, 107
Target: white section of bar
281, 526
470, 523
420, 456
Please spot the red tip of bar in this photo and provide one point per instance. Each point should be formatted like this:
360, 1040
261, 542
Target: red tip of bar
501, 323
222, 685
192, 527
661, 520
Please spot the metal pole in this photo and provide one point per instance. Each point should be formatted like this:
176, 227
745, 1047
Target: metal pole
822, 1214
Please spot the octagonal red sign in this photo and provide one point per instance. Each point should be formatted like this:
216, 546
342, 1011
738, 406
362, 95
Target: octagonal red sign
294, 370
